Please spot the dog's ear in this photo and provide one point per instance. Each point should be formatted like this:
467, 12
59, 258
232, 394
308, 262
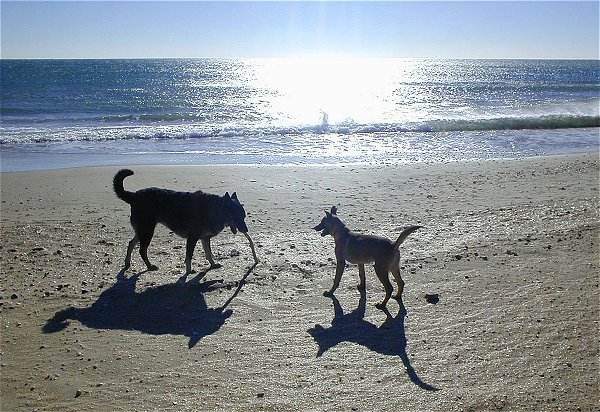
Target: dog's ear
327, 214
234, 196
227, 197
333, 210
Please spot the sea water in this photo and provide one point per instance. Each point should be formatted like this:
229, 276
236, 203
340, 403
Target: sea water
67, 113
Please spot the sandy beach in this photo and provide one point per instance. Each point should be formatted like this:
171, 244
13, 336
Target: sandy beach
510, 247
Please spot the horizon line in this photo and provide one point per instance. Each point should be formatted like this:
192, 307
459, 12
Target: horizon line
308, 57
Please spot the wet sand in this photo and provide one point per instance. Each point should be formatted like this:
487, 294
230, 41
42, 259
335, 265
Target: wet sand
509, 247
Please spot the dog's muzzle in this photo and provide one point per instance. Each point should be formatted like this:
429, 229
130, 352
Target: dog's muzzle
242, 228
321, 227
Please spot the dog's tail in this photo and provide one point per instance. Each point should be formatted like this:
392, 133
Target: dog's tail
118, 185
404, 235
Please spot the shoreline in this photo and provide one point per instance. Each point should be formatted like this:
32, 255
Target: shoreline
363, 164
327, 148
510, 246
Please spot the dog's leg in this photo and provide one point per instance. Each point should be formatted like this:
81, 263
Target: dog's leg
208, 253
132, 244
339, 270
396, 272
190, 245
361, 274
382, 273
145, 239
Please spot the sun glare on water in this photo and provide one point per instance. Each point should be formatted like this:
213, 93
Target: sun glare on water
331, 90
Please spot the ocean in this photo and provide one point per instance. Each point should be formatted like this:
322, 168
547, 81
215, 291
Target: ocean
71, 113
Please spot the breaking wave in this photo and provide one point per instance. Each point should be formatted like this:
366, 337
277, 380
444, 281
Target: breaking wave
155, 129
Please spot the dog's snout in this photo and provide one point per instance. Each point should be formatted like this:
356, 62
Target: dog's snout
241, 226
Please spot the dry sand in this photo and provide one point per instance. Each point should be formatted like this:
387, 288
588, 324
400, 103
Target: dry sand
510, 247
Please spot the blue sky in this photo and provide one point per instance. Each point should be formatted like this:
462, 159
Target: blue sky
450, 29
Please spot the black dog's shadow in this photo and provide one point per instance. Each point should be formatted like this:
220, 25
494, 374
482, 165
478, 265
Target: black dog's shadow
176, 309
387, 339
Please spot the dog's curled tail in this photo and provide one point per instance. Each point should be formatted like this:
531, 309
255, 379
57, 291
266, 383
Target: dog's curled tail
118, 185
404, 235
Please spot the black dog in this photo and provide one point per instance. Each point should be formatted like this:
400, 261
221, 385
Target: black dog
192, 215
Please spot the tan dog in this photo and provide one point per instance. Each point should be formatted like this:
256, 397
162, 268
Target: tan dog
360, 249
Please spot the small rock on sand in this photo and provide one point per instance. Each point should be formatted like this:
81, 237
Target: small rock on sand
432, 298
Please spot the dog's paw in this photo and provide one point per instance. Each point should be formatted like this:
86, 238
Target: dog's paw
380, 305
216, 266
328, 293
152, 268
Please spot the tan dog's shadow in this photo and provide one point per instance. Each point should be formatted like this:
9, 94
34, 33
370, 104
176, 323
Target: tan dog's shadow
387, 339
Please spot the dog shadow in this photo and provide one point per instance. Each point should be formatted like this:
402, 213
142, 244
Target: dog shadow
387, 339
175, 309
